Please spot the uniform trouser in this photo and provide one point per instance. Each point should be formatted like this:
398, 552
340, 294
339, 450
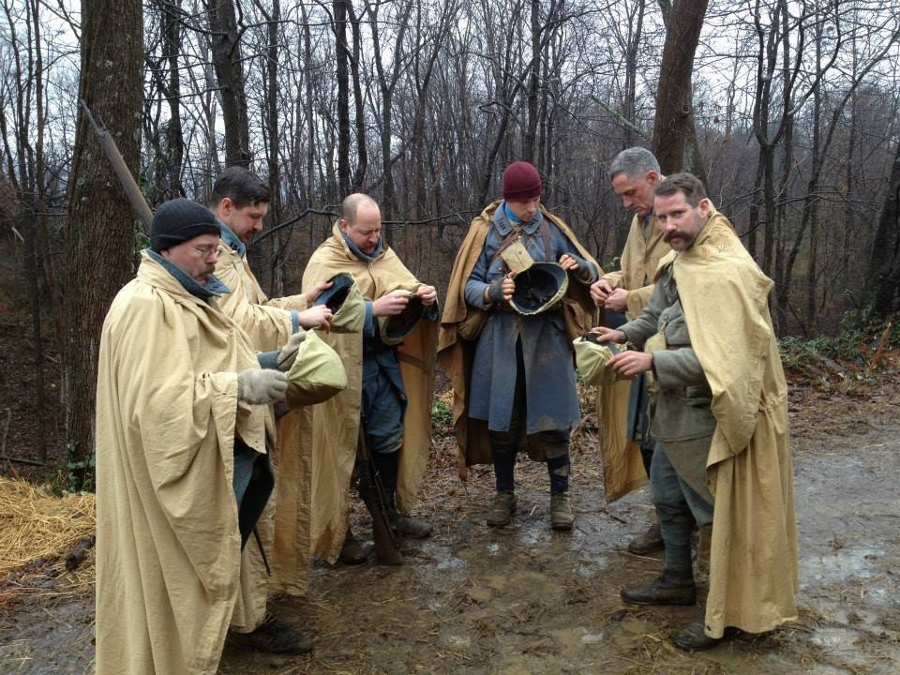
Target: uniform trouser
505, 444
678, 506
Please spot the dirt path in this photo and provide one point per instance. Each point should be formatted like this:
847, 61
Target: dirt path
526, 600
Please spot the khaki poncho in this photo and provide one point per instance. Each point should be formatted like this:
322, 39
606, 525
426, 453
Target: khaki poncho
334, 424
169, 563
724, 296
623, 468
268, 323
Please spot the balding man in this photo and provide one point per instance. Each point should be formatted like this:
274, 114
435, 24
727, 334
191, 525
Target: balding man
386, 408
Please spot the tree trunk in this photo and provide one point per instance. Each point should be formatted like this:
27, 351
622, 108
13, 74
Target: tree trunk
884, 262
225, 42
674, 104
534, 81
175, 133
100, 226
276, 241
343, 95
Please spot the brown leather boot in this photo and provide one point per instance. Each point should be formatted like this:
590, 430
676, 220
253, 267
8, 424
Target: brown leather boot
502, 509
666, 590
409, 526
561, 516
353, 552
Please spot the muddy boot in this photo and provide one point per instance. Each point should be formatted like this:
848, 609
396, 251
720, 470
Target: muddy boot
408, 526
694, 637
273, 637
649, 542
502, 509
561, 516
666, 590
353, 552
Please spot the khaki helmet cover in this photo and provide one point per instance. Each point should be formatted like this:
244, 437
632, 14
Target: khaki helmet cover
346, 303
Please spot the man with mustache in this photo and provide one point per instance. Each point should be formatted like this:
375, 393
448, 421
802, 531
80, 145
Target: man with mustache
718, 413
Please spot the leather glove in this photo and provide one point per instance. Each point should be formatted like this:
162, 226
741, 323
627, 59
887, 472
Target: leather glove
495, 290
259, 386
288, 353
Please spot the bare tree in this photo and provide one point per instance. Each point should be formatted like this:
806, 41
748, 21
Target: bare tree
884, 260
674, 125
100, 231
225, 41
163, 130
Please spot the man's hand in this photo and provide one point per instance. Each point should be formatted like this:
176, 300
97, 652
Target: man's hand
317, 316
617, 301
391, 304
288, 353
500, 290
318, 288
568, 263
427, 294
605, 334
600, 290
261, 386
630, 363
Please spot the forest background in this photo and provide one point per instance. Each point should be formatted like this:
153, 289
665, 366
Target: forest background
788, 110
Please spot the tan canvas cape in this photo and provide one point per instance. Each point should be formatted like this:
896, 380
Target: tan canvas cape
623, 468
455, 354
263, 318
268, 323
334, 424
168, 546
640, 258
724, 295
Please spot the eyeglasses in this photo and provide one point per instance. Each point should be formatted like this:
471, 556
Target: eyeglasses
205, 252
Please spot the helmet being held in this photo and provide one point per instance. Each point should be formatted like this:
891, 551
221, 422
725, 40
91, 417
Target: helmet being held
539, 288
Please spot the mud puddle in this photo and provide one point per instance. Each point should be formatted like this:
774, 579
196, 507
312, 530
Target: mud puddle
527, 600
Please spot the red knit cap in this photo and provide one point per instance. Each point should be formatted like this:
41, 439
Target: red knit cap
521, 181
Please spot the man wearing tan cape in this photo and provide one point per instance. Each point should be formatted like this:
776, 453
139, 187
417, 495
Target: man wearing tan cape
240, 201
183, 474
622, 407
387, 404
719, 416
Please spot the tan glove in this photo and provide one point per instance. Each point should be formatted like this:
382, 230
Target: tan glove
259, 386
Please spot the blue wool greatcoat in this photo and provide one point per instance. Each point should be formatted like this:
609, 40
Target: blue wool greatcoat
551, 397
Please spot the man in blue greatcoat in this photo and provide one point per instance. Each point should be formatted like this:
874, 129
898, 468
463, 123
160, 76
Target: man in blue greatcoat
521, 381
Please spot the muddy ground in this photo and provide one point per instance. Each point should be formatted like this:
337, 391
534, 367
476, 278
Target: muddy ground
524, 599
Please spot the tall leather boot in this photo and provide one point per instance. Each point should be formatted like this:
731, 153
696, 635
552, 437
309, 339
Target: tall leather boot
387, 544
387, 465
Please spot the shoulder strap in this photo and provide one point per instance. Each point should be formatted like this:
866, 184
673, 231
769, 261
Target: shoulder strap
545, 235
506, 242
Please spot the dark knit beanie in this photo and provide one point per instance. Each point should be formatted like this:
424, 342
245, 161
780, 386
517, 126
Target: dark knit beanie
179, 220
521, 181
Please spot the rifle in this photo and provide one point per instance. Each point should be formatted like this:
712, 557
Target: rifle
371, 490
132, 191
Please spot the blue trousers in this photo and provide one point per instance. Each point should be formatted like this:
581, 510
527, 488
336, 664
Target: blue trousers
678, 507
